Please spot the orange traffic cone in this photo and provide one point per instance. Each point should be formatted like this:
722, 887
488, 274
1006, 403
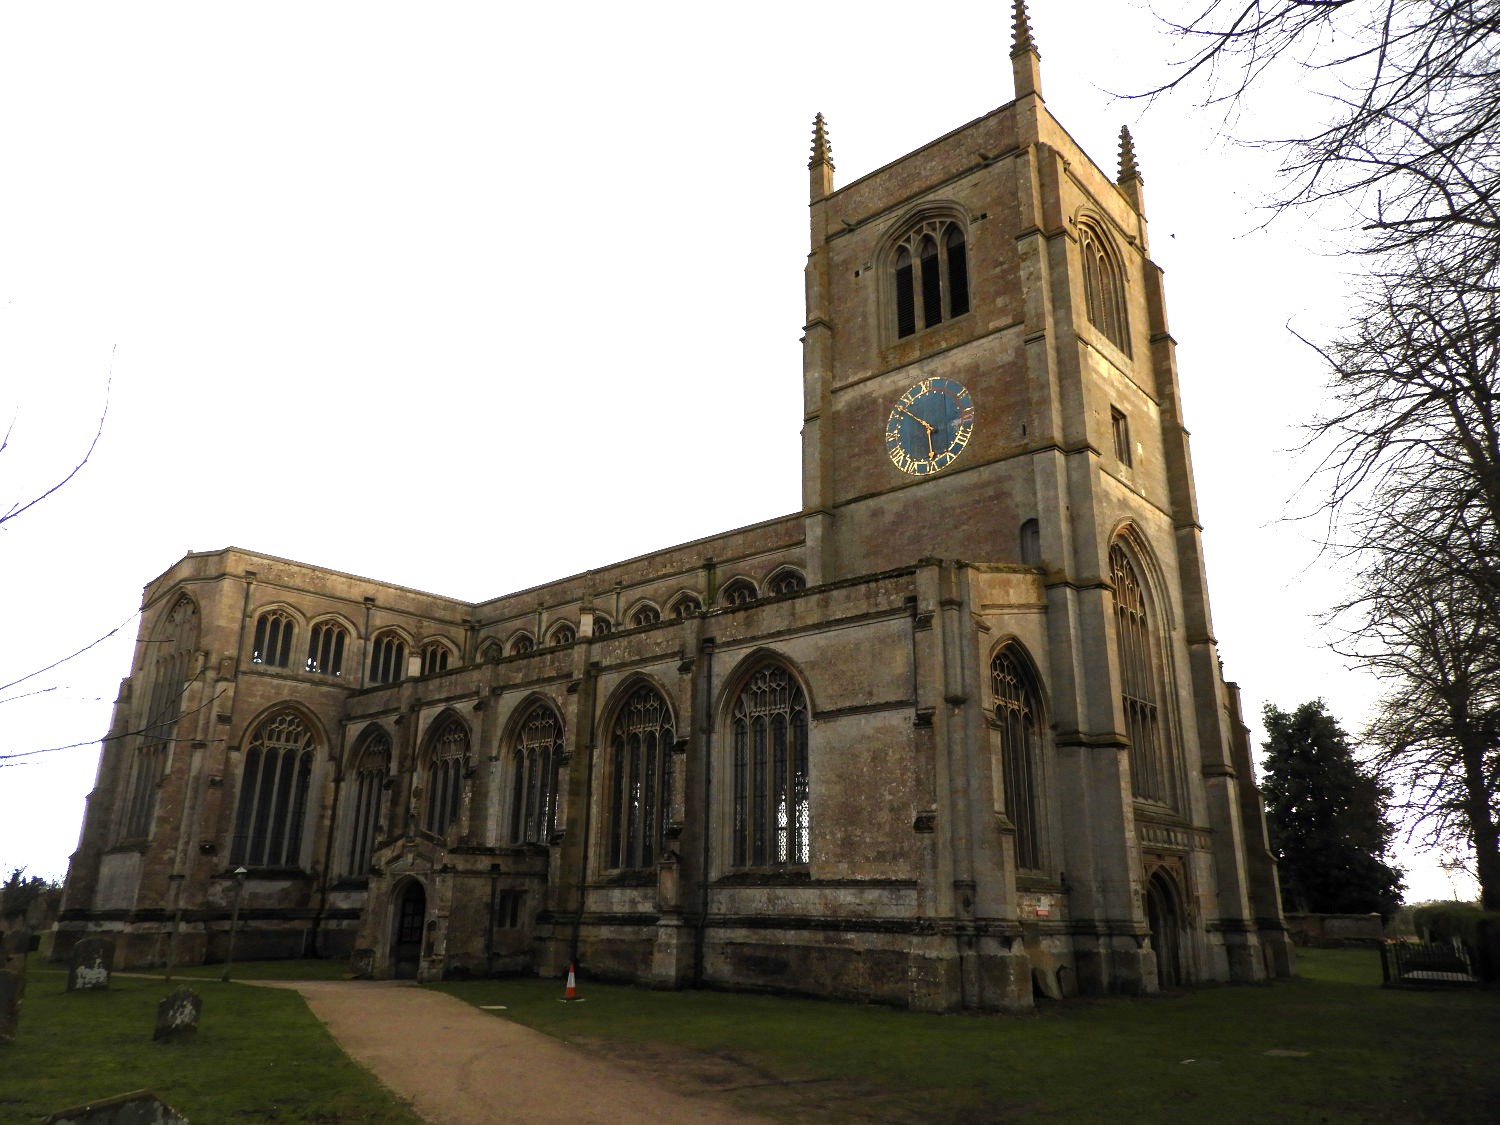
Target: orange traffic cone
571, 992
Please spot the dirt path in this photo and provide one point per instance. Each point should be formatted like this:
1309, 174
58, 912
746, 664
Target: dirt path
458, 1065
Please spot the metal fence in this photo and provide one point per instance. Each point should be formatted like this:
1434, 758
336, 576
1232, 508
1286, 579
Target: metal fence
1414, 964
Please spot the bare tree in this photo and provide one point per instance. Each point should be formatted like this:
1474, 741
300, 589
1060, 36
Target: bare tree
19, 506
1409, 142
1410, 473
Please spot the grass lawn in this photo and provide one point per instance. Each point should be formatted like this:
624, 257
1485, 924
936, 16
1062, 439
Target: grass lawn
1354, 1052
258, 1055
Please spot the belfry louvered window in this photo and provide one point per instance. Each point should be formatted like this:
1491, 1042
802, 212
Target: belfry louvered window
445, 777
369, 779
640, 763
1017, 719
535, 762
1140, 685
930, 274
772, 806
273, 794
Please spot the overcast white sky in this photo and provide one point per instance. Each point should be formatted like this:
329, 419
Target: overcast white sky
471, 296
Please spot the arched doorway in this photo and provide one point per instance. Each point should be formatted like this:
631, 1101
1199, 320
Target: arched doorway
406, 942
1164, 916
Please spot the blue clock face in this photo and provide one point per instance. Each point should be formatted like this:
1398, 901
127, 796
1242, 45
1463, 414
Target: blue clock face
929, 427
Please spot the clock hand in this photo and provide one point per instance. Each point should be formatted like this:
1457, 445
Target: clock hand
919, 421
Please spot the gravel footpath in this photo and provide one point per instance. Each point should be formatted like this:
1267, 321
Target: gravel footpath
458, 1065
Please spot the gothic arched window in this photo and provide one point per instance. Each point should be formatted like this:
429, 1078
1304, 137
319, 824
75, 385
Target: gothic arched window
640, 764
1140, 682
491, 651
1018, 721
273, 639
1104, 286
740, 591
686, 605
325, 648
445, 776
175, 643
645, 615
535, 762
435, 657
768, 733
562, 634
522, 643
387, 659
786, 581
273, 794
602, 626
930, 274
367, 786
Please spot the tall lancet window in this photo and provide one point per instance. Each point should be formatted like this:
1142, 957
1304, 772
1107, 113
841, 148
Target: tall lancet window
772, 807
1140, 682
1018, 720
372, 767
640, 763
1104, 286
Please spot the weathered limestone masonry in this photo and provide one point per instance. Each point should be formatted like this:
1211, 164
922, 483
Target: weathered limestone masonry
952, 735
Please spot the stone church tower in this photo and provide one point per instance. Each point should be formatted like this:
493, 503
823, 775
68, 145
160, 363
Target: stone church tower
953, 734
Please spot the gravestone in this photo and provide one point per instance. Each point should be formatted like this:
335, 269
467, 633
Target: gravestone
178, 1012
15, 946
93, 958
139, 1108
11, 987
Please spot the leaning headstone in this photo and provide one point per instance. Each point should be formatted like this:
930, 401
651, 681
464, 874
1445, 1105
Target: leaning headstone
178, 1012
93, 958
11, 987
140, 1108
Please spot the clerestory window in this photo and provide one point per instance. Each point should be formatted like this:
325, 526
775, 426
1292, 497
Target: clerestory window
273, 639
325, 648
387, 659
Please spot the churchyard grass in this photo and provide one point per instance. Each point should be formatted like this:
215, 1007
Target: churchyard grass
1330, 1047
258, 1055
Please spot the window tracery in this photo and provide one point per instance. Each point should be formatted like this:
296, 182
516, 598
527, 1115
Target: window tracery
769, 765
563, 634
1140, 683
273, 639
739, 591
1104, 286
325, 648
1018, 719
536, 759
445, 778
273, 794
435, 657
387, 659
372, 767
521, 644
786, 581
645, 615
640, 743
686, 605
930, 276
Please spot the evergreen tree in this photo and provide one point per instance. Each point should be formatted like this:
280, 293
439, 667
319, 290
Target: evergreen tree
1327, 817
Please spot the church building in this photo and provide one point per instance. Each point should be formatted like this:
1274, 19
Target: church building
951, 736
